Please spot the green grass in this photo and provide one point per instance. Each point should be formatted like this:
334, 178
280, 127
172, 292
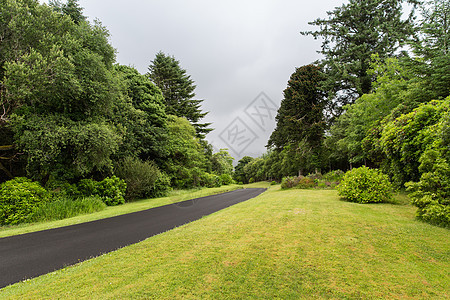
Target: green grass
111, 211
291, 244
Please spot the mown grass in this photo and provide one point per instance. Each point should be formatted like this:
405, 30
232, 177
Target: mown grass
111, 211
291, 244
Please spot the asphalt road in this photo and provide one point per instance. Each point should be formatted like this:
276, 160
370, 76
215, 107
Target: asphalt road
33, 254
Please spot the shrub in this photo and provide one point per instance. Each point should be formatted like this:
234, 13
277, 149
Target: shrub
19, 197
288, 182
305, 182
273, 183
226, 179
140, 177
251, 180
364, 185
431, 194
333, 176
211, 180
62, 208
161, 187
111, 189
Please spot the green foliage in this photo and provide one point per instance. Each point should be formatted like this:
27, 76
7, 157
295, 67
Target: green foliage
406, 137
300, 182
186, 162
300, 119
178, 90
19, 198
210, 180
162, 186
62, 208
364, 185
222, 162
226, 179
352, 33
111, 189
139, 176
239, 174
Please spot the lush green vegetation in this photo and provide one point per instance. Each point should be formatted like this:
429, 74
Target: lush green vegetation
289, 244
368, 103
82, 210
80, 125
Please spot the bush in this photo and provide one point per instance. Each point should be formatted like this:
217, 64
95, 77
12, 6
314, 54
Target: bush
333, 176
211, 180
364, 185
140, 177
111, 189
288, 182
431, 194
300, 182
226, 179
161, 187
62, 208
305, 183
19, 197
273, 183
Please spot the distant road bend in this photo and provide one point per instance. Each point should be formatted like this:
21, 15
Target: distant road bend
34, 254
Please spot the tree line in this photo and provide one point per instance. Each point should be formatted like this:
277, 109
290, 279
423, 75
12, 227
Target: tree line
379, 98
69, 112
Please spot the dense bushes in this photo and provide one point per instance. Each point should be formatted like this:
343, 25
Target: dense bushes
364, 185
140, 177
19, 197
111, 189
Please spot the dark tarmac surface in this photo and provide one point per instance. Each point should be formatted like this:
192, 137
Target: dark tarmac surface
34, 254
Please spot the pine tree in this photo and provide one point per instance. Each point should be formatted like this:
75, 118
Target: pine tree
300, 116
178, 90
352, 33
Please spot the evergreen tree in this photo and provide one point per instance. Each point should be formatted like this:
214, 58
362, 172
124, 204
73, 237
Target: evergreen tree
300, 116
352, 33
300, 120
178, 90
71, 8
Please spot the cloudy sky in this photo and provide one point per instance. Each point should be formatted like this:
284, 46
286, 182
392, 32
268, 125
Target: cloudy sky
239, 53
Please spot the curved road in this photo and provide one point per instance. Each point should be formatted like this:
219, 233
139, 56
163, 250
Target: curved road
33, 254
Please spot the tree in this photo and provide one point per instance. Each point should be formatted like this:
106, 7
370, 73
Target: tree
300, 118
143, 115
178, 90
61, 91
239, 174
186, 162
71, 8
222, 162
352, 33
300, 115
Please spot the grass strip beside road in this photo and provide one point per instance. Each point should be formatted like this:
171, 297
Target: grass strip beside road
174, 196
293, 244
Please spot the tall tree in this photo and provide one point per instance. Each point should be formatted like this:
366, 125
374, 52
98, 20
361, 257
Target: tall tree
300, 116
352, 33
178, 91
300, 119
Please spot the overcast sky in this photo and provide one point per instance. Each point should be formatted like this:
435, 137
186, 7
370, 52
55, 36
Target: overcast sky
233, 50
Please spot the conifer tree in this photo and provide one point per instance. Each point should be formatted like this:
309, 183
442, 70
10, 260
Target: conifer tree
178, 90
352, 33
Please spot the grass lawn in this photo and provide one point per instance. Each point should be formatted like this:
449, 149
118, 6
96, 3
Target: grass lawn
282, 244
111, 211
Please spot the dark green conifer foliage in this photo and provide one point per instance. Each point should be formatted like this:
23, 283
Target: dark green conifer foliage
178, 90
300, 116
352, 33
